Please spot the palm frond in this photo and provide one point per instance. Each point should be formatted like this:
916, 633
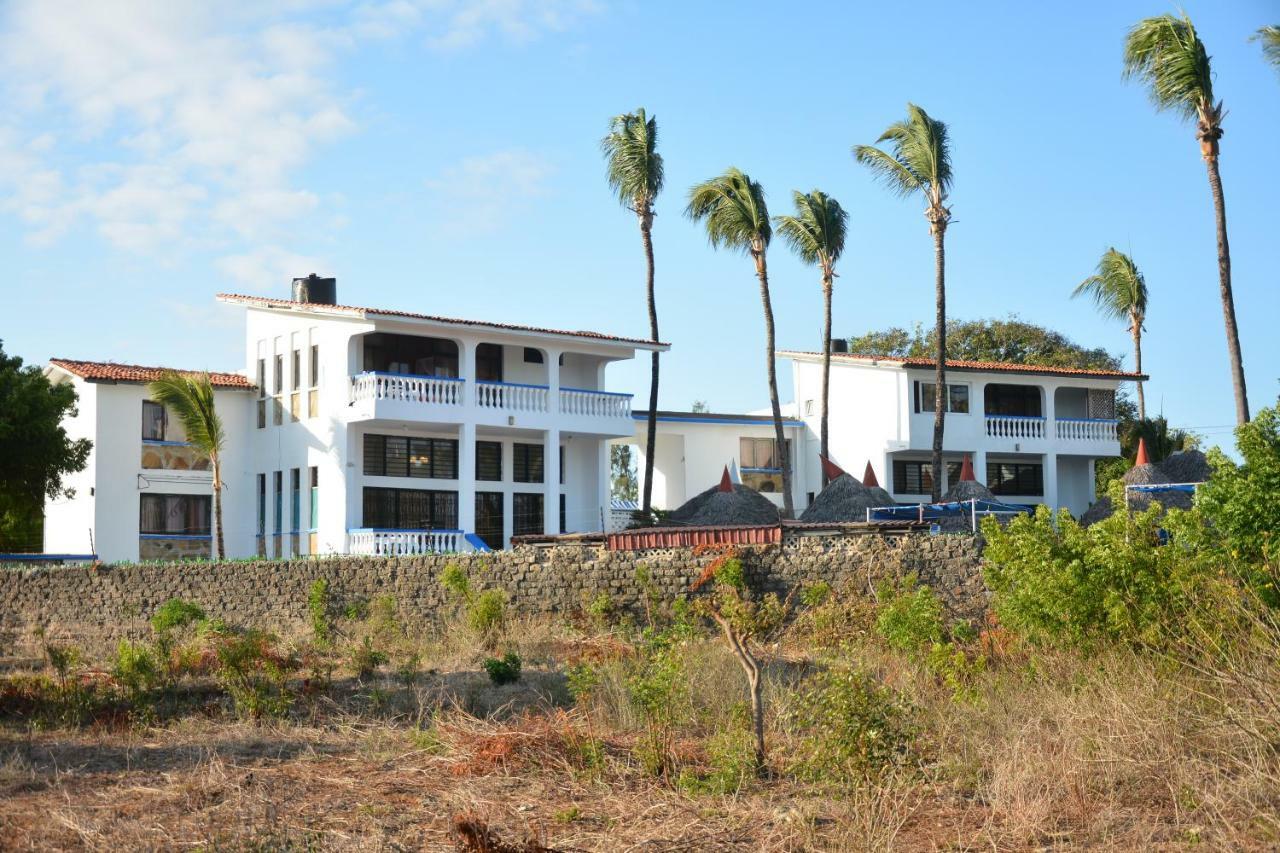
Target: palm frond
634, 167
919, 158
1117, 287
1167, 54
190, 398
1270, 38
732, 208
816, 233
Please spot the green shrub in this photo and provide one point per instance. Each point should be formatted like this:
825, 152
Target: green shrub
176, 613
254, 673
657, 691
601, 609
503, 671
957, 667
909, 617
365, 659
135, 669
319, 608
487, 611
730, 756
455, 580
815, 594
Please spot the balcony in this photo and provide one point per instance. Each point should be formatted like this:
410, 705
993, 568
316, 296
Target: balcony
373, 542
1014, 426
1087, 429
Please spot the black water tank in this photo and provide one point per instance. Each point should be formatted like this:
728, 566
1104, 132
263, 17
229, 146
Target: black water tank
837, 344
317, 290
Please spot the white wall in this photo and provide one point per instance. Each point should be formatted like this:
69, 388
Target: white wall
69, 522
868, 415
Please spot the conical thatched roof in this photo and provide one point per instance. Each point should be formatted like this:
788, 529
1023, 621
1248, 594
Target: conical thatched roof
967, 490
1189, 466
743, 505
844, 499
881, 496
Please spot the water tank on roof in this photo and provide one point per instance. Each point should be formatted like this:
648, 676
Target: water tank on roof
316, 290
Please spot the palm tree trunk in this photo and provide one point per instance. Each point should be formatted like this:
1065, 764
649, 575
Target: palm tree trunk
652, 435
1137, 367
826, 367
219, 546
762, 272
940, 356
1224, 285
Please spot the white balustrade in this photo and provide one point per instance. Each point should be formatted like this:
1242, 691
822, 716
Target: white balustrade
512, 396
1087, 429
1014, 426
597, 404
434, 390
404, 543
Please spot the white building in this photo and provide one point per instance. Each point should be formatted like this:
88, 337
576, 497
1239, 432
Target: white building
1033, 433
355, 430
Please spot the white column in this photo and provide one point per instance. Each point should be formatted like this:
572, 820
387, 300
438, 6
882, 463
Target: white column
1051, 480
467, 371
1050, 418
980, 466
604, 493
553, 381
467, 477
551, 477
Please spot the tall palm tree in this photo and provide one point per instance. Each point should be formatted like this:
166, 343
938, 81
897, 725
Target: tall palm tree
919, 161
1167, 54
1270, 38
189, 396
816, 233
732, 208
635, 173
1120, 292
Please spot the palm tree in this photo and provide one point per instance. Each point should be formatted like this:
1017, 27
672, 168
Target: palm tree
816, 233
920, 162
1167, 54
1270, 38
635, 173
732, 208
1120, 292
190, 397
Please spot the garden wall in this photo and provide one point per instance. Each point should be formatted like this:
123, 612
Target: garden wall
94, 607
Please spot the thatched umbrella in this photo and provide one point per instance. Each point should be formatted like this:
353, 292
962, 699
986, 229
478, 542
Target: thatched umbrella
726, 503
879, 494
844, 499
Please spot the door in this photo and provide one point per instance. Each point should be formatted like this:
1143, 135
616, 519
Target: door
489, 519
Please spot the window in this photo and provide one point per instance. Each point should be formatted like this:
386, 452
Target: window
295, 383
1017, 400
563, 514
759, 453
527, 463
295, 500
313, 396
489, 461
912, 478
296, 377
277, 410
262, 377
526, 511
277, 381
1015, 478
174, 515
410, 509
561, 455
410, 354
154, 420
489, 518
808, 407
277, 515
532, 356
956, 398
315, 497
262, 504
489, 362
402, 456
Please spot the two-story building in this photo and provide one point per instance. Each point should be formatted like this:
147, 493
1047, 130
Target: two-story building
360, 430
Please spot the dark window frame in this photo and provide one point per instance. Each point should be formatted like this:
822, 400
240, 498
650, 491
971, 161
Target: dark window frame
1016, 478
393, 456
151, 406
912, 472
188, 506
523, 463
488, 447
949, 398
522, 513
751, 458
404, 507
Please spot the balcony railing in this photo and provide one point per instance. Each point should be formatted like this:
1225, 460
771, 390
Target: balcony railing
436, 390
601, 404
1014, 426
1087, 429
512, 396
405, 543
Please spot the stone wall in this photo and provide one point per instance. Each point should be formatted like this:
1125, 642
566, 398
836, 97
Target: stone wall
95, 607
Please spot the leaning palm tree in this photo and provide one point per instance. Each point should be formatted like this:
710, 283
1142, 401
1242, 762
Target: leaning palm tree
635, 173
816, 233
1167, 54
189, 396
1120, 292
1270, 38
732, 208
920, 162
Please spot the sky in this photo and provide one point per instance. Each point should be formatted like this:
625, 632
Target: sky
442, 156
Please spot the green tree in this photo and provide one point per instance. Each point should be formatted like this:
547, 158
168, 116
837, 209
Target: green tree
1166, 53
635, 173
1120, 292
35, 451
816, 233
699, 406
919, 161
622, 473
1270, 38
189, 396
733, 209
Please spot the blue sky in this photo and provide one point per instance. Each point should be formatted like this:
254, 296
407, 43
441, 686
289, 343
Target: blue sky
442, 156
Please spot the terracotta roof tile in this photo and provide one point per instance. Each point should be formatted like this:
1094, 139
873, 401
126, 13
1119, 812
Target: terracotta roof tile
110, 371
993, 366
268, 302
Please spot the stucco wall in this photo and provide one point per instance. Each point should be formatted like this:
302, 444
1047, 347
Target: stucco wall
97, 607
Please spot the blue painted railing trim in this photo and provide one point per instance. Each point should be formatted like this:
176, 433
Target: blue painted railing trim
594, 391
1090, 420
400, 530
175, 536
22, 558
409, 375
641, 416
746, 470
156, 442
474, 540
510, 384
1018, 417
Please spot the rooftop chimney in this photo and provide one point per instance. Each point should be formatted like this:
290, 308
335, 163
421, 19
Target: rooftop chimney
316, 290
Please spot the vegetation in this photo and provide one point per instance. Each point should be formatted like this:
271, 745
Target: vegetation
36, 454
622, 473
1166, 54
919, 161
189, 396
635, 173
1120, 292
732, 208
816, 234
1270, 38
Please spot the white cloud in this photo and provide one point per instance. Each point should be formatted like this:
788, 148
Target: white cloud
480, 194
463, 24
266, 267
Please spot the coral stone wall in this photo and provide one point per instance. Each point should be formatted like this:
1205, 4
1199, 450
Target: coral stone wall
95, 607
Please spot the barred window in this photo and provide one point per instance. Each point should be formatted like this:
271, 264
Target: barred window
410, 509
911, 477
175, 515
526, 510
489, 460
1015, 478
402, 456
527, 463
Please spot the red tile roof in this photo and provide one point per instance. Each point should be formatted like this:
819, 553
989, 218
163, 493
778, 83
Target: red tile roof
993, 366
109, 371
268, 302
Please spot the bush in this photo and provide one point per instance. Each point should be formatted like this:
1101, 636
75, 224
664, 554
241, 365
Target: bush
318, 612
365, 659
910, 616
455, 580
176, 613
657, 691
487, 611
254, 673
504, 671
136, 671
